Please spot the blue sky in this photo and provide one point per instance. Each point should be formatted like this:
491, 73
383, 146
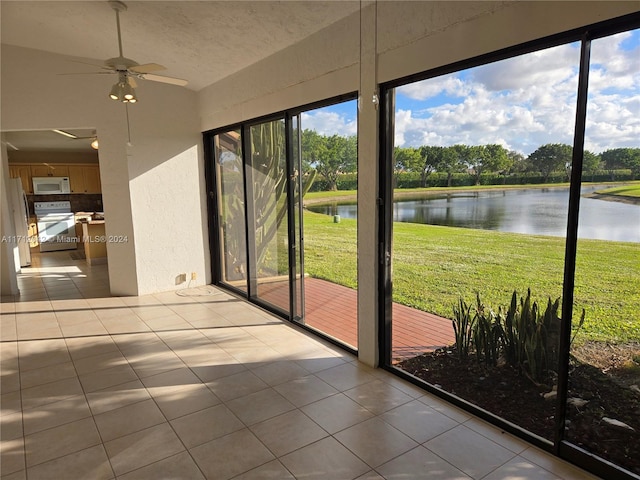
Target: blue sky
520, 103
341, 119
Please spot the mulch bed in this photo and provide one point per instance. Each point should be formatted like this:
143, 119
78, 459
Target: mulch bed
507, 393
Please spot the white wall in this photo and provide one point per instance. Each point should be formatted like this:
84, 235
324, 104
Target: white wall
152, 191
8, 249
387, 40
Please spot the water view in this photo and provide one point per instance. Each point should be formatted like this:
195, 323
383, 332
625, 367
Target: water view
531, 211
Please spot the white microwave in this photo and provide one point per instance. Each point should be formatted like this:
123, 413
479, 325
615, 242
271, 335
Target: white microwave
51, 185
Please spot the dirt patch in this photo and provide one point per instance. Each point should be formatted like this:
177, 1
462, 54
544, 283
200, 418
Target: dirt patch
603, 394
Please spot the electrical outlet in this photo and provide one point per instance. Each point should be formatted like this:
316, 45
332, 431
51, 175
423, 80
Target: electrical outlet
194, 275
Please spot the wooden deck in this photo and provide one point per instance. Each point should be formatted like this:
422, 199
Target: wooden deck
332, 309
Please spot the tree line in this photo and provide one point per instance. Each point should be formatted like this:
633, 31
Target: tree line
479, 159
332, 156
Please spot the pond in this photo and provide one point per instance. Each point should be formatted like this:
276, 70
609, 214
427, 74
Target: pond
534, 211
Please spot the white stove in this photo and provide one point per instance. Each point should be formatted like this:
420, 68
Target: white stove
56, 226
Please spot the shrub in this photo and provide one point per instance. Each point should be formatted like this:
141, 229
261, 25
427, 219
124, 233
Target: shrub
524, 336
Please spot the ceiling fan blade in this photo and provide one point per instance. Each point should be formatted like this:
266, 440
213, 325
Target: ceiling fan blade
132, 81
147, 68
104, 67
158, 78
87, 73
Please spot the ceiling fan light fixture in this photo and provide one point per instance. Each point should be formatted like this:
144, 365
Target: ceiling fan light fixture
94, 144
128, 93
116, 92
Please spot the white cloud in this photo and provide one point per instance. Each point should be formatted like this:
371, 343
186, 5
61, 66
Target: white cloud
449, 84
543, 68
528, 101
329, 123
488, 117
608, 52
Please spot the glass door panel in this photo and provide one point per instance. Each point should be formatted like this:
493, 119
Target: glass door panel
232, 253
603, 404
478, 257
266, 182
297, 246
328, 162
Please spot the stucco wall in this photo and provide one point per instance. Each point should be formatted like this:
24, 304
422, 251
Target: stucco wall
152, 190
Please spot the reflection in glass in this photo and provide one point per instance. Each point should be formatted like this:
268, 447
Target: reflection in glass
232, 254
477, 271
602, 410
267, 177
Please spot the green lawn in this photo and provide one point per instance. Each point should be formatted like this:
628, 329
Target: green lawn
624, 191
433, 266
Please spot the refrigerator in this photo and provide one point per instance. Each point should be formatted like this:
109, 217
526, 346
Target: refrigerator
20, 209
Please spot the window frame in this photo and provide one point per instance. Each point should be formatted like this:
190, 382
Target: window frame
559, 446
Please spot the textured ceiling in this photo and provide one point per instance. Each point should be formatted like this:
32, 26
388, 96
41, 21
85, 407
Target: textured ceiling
39, 140
200, 41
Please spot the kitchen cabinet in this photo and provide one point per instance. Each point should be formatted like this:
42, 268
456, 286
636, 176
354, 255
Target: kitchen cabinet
49, 170
23, 172
84, 178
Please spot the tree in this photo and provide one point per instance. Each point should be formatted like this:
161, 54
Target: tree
449, 163
432, 160
471, 157
497, 159
631, 160
483, 158
330, 156
591, 163
518, 162
406, 160
549, 158
619, 158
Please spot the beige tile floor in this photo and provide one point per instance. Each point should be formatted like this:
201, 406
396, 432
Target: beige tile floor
198, 384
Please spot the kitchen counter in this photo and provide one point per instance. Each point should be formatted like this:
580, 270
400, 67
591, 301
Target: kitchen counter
95, 242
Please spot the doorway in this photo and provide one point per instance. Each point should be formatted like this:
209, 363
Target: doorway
58, 171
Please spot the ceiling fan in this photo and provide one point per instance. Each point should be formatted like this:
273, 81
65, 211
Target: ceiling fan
128, 70
93, 137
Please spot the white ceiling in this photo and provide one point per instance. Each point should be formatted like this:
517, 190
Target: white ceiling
200, 41
48, 140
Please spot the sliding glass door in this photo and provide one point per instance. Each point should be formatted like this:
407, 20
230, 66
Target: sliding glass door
231, 232
266, 180
273, 182
511, 223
